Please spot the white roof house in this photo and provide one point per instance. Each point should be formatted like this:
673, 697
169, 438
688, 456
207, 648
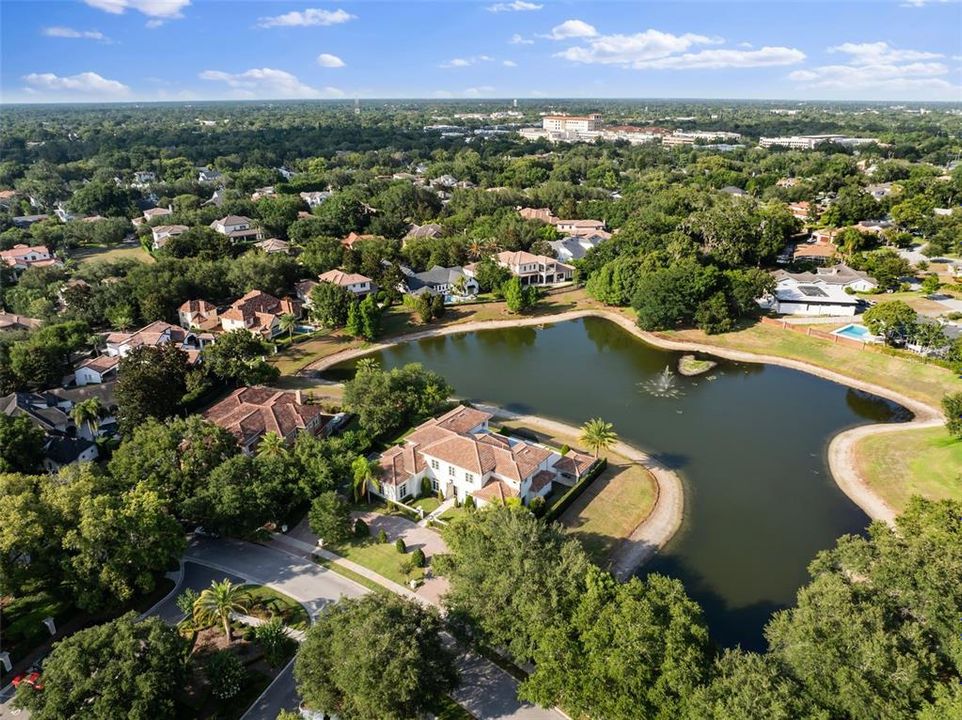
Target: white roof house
810, 299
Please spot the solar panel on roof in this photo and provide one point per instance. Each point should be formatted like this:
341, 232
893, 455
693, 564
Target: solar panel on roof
812, 291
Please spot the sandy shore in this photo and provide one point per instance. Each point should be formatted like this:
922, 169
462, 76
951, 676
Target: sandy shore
841, 449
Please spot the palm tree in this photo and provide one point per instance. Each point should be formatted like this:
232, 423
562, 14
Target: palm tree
87, 413
271, 445
365, 477
218, 602
597, 435
475, 249
287, 322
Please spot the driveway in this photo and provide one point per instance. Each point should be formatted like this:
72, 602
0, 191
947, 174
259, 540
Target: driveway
487, 691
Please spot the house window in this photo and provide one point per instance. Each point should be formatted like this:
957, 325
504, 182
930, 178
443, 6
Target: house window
402, 491
468, 477
451, 470
435, 485
435, 465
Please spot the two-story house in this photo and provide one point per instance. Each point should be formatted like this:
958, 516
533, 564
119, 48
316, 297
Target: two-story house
460, 457
237, 227
20, 257
356, 283
259, 313
162, 233
453, 283
533, 269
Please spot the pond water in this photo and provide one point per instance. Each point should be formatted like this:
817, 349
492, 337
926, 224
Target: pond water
749, 441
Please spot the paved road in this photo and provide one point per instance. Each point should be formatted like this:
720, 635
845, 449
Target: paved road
487, 691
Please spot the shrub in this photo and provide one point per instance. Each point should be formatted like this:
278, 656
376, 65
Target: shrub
537, 506
418, 558
361, 529
381, 536
225, 674
469, 503
426, 489
186, 600
400, 546
274, 641
564, 450
952, 407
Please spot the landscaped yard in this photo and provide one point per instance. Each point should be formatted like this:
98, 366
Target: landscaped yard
382, 558
915, 378
429, 504
117, 252
898, 465
267, 602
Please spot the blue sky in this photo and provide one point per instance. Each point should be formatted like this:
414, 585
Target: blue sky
123, 50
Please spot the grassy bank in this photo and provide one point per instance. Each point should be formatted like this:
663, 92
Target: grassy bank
914, 378
925, 462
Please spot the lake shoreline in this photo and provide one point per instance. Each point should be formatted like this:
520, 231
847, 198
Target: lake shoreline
840, 451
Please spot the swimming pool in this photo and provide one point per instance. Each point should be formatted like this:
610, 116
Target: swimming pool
854, 331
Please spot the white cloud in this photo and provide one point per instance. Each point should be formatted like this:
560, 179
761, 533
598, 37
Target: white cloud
657, 50
329, 61
79, 86
150, 8
880, 52
509, 63
516, 6
518, 39
308, 18
268, 84
572, 29
154, 23
719, 59
883, 70
66, 32
466, 62
471, 92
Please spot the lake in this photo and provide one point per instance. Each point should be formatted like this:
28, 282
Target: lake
749, 441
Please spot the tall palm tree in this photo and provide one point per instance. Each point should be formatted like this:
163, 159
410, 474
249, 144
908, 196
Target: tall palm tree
475, 249
365, 477
271, 445
219, 601
597, 435
87, 413
287, 322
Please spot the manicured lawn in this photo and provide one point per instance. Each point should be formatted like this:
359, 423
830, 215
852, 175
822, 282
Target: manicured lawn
428, 504
349, 574
118, 252
611, 508
382, 558
915, 300
925, 462
452, 513
912, 377
267, 602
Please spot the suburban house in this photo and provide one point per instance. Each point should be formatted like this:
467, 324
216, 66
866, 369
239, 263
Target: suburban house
452, 283
459, 455
20, 257
840, 275
158, 212
532, 269
156, 334
303, 291
352, 238
162, 233
543, 214
97, 370
263, 192
810, 297
259, 313
820, 248
313, 199
198, 314
431, 230
25, 221
801, 210
569, 227
236, 227
250, 413
10, 321
273, 245
50, 414
206, 175
358, 284
575, 247
874, 226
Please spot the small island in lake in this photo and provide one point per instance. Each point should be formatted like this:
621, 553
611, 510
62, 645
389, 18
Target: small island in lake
690, 366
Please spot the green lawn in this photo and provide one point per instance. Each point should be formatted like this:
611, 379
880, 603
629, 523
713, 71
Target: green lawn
118, 252
925, 462
382, 558
429, 504
267, 602
908, 375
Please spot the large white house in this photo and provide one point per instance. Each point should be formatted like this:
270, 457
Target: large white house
531, 269
460, 457
236, 227
823, 293
354, 282
575, 247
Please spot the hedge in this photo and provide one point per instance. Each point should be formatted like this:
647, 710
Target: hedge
564, 502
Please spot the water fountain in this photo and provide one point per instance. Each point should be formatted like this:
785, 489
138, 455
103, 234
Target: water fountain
664, 385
